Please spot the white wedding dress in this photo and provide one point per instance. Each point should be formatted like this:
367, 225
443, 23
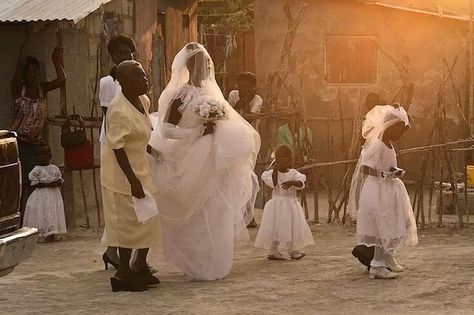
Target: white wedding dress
204, 182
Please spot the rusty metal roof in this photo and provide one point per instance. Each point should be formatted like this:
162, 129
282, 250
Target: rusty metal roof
47, 10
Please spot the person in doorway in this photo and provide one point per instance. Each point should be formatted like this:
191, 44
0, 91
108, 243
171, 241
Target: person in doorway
30, 107
378, 198
120, 48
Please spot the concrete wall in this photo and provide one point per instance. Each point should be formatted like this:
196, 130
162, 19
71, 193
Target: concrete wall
85, 45
422, 40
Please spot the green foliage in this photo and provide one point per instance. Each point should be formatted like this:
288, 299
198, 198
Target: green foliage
230, 16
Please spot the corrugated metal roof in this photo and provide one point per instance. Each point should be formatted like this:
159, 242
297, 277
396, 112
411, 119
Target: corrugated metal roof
47, 10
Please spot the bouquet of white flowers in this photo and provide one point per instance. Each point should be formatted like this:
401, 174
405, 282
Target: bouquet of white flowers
210, 110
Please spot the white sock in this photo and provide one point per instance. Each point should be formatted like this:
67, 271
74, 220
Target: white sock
378, 260
274, 249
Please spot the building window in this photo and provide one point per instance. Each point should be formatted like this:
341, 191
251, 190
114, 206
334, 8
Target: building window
350, 60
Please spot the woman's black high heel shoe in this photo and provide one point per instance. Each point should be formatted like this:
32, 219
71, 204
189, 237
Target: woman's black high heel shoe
127, 284
108, 261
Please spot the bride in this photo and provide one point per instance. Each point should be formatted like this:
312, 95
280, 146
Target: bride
203, 169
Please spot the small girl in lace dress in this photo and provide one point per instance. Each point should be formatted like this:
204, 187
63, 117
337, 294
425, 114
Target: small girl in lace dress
45, 208
283, 223
378, 197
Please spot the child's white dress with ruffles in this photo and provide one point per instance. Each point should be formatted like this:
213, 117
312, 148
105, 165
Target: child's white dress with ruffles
283, 219
385, 216
45, 208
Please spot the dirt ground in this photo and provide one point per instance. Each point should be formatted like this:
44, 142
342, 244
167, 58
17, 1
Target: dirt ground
68, 277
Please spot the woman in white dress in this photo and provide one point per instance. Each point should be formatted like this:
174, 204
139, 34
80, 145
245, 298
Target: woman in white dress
378, 197
204, 171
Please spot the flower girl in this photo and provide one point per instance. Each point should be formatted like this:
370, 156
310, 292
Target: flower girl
283, 223
44, 208
378, 198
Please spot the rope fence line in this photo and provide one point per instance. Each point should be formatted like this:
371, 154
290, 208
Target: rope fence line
401, 152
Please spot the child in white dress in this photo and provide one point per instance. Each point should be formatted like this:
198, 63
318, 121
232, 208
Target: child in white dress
378, 197
283, 223
44, 208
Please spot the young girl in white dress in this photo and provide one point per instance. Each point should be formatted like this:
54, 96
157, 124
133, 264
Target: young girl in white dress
45, 208
378, 197
283, 223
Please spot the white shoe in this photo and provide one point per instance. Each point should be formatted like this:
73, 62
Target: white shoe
382, 273
392, 264
297, 255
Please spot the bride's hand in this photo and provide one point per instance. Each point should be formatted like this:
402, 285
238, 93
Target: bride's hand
210, 127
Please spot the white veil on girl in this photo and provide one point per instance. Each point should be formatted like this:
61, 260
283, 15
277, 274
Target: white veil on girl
376, 122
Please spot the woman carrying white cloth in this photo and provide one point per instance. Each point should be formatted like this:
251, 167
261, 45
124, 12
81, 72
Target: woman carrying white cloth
203, 170
378, 197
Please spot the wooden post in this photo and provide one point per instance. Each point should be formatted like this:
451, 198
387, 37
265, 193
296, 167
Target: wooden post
440, 208
84, 199
316, 196
96, 196
466, 206
471, 62
430, 209
68, 196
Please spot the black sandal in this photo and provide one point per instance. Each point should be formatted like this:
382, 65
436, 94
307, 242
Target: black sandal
147, 277
127, 284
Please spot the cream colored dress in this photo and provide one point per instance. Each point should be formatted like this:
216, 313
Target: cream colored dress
129, 129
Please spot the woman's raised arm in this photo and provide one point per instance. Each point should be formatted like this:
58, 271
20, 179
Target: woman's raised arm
58, 61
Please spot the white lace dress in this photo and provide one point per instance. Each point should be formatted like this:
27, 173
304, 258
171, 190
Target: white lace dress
385, 216
283, 219
44, 208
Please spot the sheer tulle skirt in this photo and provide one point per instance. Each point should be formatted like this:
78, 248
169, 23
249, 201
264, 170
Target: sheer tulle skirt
203, 195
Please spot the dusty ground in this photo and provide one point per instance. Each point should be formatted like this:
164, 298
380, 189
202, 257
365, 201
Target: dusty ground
68, 277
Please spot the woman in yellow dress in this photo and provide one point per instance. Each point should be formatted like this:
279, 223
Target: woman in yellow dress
125, 173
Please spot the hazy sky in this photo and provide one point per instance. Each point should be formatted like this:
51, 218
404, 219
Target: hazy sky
460, 7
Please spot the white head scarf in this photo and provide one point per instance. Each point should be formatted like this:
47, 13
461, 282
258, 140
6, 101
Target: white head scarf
380, 118
377, 121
